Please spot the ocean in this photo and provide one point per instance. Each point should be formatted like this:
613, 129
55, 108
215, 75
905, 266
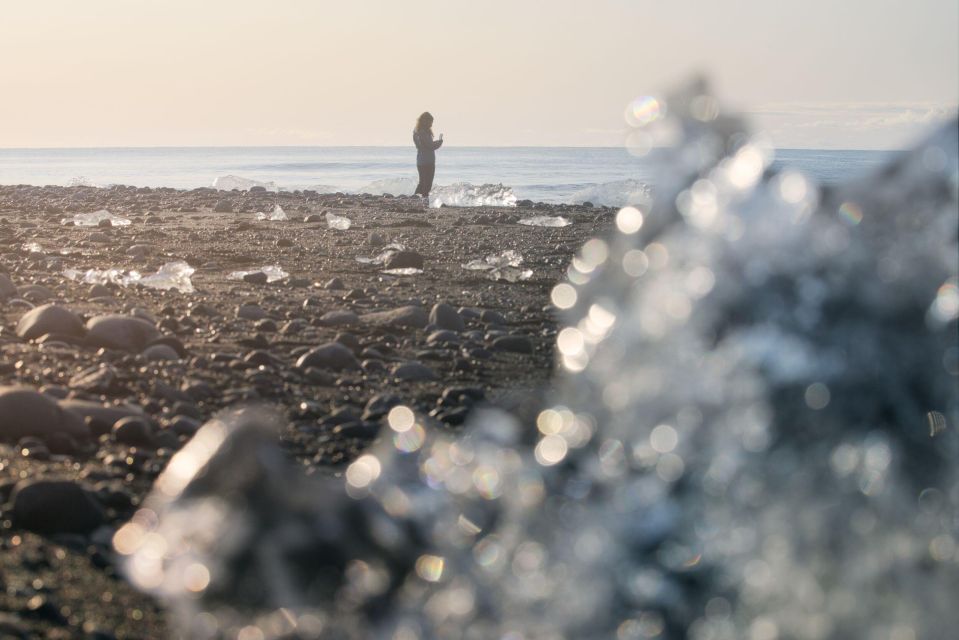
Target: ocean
605, 175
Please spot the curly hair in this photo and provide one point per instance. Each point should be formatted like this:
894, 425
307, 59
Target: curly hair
424, 122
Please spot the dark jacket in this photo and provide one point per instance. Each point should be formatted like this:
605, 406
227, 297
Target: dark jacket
425, 147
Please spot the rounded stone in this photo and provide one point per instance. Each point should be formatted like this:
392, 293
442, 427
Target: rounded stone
445, 317
124, 333
26, 412
332, 356
49, 318
55, 506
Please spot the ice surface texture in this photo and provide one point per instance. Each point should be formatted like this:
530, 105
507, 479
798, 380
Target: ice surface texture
228, 183
277, 214
273, 273
172, 275
754, 436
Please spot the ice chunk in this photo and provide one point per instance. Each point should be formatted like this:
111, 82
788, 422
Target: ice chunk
384, 255
273, 273
402, 271
172, 275
33, 247
229, 183
395, 186
95, 218
103, 276
508, 258
278, 214
545, 221
620, 193
510, 274
81, 181
463, 194
340, 223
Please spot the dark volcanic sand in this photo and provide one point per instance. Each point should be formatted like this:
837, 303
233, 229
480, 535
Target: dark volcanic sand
63, 584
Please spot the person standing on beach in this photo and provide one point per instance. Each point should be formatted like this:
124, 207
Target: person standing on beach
425, 152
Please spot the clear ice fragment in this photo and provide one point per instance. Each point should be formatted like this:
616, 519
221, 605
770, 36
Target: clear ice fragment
95, 218
273, 273
545, 221
340, 223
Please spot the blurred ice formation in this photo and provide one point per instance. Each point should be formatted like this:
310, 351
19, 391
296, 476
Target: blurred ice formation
381, 258
463, 194
394, 186
502, 266
754, 436
96, 218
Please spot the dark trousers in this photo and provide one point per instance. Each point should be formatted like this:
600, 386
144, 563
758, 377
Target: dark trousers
427, 171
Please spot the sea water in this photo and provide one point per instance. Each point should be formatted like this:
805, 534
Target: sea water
608, 175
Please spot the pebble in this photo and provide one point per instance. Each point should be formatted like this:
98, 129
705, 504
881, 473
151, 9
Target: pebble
332, 356
515, 344
409, 316
7, 288
413, 372
160, 353
124, 333
251, 312
133, 432
405, 260
50, 318
257, 277
26, 412
443, 316
493, 317
55, 506
334, 284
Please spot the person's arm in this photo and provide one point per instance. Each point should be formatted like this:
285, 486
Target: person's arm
418, 141
438, 143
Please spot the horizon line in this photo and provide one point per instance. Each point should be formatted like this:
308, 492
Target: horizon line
384, 146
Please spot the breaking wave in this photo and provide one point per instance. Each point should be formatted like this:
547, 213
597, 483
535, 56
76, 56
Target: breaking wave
463, 194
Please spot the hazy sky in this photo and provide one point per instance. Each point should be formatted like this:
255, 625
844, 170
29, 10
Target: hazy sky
814, 73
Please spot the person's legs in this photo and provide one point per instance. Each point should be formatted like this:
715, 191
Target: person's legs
426, 178
422, 189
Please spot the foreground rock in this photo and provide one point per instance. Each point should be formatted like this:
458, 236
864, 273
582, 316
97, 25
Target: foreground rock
49, 319
25, 412
55, 506
125, 333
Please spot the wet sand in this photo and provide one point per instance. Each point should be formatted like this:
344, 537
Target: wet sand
231, 341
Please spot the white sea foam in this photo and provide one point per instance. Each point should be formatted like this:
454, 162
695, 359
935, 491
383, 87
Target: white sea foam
229, 183
620, 193
463, 194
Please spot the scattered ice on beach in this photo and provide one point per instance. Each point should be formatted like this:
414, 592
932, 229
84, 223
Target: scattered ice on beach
229, 183
546, 221
278, 214
685, 479
32, 247
172, 275
340, 223
402, 271
273, 273
103, 276
620, 193
384, 255
95, 218
508, 258
463, 194
394, 186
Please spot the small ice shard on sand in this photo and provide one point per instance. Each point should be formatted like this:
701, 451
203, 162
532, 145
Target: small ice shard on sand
340, 223
172, 275
502, 266
33, 247
463, 194
383, 256
402, 271
103, 276
273, 273
545, 221
508, 258
278, 214
95, 218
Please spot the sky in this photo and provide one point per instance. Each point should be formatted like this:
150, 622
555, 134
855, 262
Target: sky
857, 74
